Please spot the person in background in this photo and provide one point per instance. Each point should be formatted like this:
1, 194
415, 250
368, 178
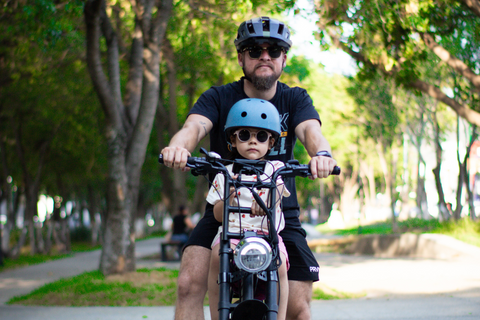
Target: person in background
181, 226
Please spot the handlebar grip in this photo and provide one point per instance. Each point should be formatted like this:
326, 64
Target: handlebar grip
336, 171
190, 161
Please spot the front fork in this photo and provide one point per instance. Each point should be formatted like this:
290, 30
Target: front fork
272, 295
224, 280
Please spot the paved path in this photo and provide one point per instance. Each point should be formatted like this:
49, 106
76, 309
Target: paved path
395, 288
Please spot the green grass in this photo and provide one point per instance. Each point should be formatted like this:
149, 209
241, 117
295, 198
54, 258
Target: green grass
84, 246
27, 260
465, 229
332, 294
146, 287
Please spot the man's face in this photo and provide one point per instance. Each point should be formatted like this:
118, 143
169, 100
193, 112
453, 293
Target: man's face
263, 71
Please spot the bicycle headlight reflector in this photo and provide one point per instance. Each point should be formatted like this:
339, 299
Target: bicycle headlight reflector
253, 254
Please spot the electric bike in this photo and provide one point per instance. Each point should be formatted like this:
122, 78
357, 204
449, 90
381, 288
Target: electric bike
248, 277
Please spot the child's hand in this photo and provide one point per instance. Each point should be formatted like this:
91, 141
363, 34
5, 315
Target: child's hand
256, 210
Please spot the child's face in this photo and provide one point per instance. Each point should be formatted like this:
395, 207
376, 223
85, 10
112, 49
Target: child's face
251, 149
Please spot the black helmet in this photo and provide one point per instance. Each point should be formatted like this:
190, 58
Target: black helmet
261, 30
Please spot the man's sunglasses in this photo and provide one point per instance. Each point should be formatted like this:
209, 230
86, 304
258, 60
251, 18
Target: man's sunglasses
255, 52
245, 135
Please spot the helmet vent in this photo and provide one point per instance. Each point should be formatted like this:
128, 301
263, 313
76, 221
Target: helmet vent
244, 114
264, 116
250, 28
280, 29
266, 25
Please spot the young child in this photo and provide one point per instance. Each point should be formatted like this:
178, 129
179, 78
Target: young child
252, 128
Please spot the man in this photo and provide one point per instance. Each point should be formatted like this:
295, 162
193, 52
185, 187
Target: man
262, 45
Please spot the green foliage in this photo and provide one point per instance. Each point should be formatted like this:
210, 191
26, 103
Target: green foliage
47, 98
329, 95
388, 36
375, 111
298, 67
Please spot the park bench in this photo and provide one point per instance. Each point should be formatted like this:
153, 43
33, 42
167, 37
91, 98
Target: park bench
164, 246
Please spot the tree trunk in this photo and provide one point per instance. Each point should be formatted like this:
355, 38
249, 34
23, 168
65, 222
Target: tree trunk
129, 124
349, 193
465, 168
92, 210
31, 183
392, 186
421, 193
384, 166
442, 206
49, 225
367, 174
30, 211
21, 241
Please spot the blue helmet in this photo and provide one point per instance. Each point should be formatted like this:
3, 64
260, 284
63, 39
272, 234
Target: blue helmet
253, 113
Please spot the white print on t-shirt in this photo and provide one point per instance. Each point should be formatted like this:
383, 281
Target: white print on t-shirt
280, 148
283, 122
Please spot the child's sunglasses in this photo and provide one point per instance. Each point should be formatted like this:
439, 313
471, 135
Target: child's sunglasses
245, 135
255, 52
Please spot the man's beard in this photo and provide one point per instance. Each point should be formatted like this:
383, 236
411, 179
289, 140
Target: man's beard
261, 83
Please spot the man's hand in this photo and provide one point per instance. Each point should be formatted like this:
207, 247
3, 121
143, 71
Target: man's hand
321, 166
195, 128
175, 157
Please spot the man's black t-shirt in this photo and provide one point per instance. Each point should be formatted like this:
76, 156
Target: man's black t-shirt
294, 106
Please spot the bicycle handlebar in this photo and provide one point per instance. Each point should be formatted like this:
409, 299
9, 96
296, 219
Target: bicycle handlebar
205, 165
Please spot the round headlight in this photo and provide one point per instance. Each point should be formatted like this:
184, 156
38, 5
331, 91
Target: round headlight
253, 254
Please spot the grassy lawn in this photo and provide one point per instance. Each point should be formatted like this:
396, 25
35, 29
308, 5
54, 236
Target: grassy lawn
465, 229
25, 259
146, 287
325, 293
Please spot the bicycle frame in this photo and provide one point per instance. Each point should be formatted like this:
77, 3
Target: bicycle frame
248, 307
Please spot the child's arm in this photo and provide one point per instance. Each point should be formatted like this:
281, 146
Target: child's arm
218, 211
257, 211
218, 207
281, 191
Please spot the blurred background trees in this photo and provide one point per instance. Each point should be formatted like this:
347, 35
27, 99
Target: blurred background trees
82, 122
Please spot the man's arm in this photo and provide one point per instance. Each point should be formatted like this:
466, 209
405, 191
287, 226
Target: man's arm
196, 127
310, 134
